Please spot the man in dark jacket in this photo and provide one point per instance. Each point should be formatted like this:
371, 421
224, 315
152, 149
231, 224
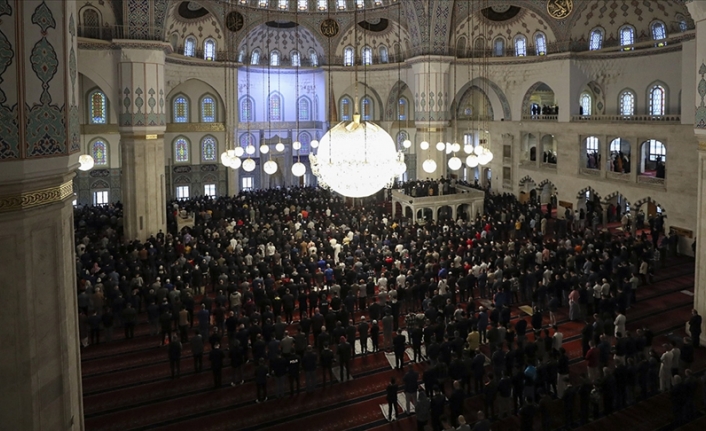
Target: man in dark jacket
391, 392
175, 356
216, 357
197, 350
261, 374
327, 364
411, 385
399, 344
344, 357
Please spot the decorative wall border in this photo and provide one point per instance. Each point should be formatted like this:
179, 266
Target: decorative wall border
36, 198
195, 127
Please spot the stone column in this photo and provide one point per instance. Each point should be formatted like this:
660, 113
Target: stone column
142, 126
698, 13
231, 119
40, 388
431, 109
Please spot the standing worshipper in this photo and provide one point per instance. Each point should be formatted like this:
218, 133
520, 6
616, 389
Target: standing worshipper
695, 328
175, 356
197, 350
216, 357
399, 343
391, 392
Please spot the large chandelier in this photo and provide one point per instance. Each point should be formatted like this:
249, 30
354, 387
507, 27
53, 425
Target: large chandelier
357, 159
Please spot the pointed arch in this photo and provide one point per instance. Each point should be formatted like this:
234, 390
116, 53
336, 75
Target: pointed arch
190, 46
399, 90
582, 193
180, 108
181, 149
209, 149
657, 99
526, 101
209, 112
275, 106
498, 101
97, 107
247, 109
304, 108
346, 108
98, 149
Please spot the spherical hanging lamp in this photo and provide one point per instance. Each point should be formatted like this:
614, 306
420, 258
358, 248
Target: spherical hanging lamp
401, 168
429, 166
407, 143
249, 165
478, 150
279, 147
264, 149
235, 163
86, 162
238, 152
472, 161
297, 145
455, 147
355, 159
449, 148
270, 167
455, 163
298, 169
440, 146
424, 145
468, 149
250, 149
314, 144
489, 154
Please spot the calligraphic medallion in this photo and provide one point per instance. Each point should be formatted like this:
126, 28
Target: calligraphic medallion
560, 9
234, 21
329, 27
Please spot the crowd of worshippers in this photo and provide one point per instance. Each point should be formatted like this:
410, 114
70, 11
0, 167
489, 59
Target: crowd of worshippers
619, 162
429, 187
296, 282
593, 160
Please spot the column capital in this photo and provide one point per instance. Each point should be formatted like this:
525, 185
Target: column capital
697, 10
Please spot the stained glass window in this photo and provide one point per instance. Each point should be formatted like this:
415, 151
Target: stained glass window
181, 110
247, 139
586, 104
521, 46
341, 4
181, 150
348, 56
208, 110
255, 57
627, 37
313, 58
627, 103
659, 33
305, 139
402, 109
657, 100
246, 110
190, 46
346, 108
540, 44
322, 5
296, 59
98, 108
275, 108
274, 58
241, 55
384, 57
367, 56
367, 109
596, 41
209, 50
209, 148
99, 151
304, 109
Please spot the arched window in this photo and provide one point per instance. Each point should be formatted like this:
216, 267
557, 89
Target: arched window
190, 46
499, 47
596, 39
520, 46
209, 149
384, 57
366, 109
586, 104
591, 144
540, 43
181, 109
657, 100
209, 50
305, 140
274, 58
341, 4
91, 24
348, 56
627, 37
683, 25
367, 56
275, 107
247, 139
241, 55
99, 107
255, 57
479, 46
659, 33
360, 4
656, 150
296, 59
99, 151
304, 109
284, 4
247, 109
181, 150
313, 58
208, 110
627, 103
174, 41
322, 5
346, 109
461, 47
402, 136
402, 108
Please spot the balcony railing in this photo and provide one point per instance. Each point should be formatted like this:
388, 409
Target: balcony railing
618, 176
107, 32
530, 117
653, 181
590, 172
628, 118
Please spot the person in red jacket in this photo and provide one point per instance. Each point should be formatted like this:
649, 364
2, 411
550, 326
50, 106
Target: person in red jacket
592, 361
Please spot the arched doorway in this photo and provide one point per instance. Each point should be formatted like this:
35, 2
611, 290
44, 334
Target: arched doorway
549, 150
540, 103
619, 156
530, 143
528, 190
653, 159
617, 208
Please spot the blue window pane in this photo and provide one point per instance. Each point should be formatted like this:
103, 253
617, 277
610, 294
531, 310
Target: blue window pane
181, 110
208, 149
100, 153
208, 110
181, 151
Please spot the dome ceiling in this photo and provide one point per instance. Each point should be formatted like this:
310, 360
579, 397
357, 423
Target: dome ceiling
283, 38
